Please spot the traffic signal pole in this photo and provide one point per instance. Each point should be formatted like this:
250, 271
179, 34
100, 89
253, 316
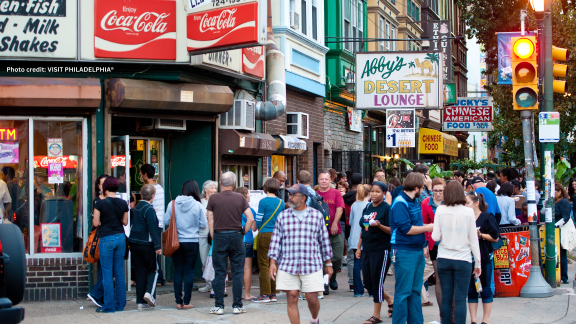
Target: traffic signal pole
548, 148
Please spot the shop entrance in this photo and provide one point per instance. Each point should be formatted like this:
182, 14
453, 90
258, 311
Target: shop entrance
137, 151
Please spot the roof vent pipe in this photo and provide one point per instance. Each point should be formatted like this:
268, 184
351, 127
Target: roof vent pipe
275, 106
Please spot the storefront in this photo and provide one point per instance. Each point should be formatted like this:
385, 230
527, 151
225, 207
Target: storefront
285, 157
437, 146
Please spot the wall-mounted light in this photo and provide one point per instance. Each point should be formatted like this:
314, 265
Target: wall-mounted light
396, 156
471, 148
459, 145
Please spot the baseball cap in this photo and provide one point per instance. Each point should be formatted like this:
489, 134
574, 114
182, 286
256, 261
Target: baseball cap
298, 188
476, 180
356, 179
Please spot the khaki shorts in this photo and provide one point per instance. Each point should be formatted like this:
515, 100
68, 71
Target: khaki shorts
304, 283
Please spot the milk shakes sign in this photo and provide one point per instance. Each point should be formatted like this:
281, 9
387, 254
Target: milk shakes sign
399, 80
219, 24
38, 28
469, 114
144, 29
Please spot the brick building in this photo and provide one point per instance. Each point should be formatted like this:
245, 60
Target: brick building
56, 279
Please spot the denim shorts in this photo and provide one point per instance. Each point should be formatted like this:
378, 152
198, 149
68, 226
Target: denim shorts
249, 250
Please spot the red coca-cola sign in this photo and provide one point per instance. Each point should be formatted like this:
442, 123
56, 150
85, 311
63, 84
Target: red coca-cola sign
143, 29
117, 160
68, 161
223, 27
253, 61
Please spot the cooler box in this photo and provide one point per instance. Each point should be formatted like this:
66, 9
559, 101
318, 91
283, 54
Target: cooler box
512, 261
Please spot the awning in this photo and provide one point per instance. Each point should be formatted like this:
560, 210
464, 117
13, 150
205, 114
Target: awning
235, 142
288, 145
50, 92
434, 142
167, 100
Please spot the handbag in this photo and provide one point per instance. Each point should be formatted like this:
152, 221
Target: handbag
90, 252
170, 241
568, 235
256, 237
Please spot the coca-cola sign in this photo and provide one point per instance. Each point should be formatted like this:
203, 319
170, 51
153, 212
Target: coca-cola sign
144, 29
217, 25
68, 161
253, 61
117, 160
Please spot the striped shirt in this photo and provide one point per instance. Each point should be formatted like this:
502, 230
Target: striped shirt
300, 245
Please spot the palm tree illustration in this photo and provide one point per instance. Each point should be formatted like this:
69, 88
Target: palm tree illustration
412, 65
434, 58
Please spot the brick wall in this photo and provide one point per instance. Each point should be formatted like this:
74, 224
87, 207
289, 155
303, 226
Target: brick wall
340, 137
56, 279
314, 107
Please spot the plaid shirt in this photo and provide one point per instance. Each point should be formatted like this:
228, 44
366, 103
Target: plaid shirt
300, 247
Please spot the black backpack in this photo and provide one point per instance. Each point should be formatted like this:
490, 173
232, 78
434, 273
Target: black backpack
317, 202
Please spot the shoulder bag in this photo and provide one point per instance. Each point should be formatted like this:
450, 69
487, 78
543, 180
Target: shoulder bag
170, 241
255, 245
90, 252
568, 235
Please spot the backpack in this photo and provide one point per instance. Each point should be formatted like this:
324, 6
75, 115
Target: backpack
317, 202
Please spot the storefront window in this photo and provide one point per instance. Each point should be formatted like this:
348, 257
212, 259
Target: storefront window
14, 146
278, 163
245, 175
58, 195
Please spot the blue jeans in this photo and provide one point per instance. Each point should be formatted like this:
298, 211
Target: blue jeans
228, 246
486, 294
97, 291
409, 274
455, 278
184, 263
563, 265
357, 276
112, 249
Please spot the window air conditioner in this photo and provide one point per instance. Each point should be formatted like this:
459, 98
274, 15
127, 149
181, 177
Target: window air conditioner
297, 124
241, 116
294, 20
163, 123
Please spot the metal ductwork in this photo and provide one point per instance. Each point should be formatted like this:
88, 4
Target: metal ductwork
275, 106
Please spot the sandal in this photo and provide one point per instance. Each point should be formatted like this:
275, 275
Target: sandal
390, 306
373, 320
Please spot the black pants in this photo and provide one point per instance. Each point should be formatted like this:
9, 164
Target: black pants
228, 246
184, 264
145, 270
374, 268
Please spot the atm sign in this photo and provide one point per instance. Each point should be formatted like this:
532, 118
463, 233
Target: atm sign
8, 134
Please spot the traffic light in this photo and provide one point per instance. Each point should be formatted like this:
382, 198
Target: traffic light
524, 73
559, 70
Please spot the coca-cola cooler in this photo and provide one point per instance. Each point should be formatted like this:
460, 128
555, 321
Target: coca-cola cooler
61, 211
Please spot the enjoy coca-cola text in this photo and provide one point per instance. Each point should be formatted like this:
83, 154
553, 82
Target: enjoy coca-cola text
135, 23
118, 161
60, 159
224, 20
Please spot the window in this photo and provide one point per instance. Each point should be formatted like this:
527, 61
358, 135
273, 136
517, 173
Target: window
360, 26
354, 22
314, 20
392, 36
434, 5
387, 36
347, 24
382, 34
303, 28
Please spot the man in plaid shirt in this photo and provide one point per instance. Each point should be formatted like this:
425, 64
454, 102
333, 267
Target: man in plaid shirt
298, 249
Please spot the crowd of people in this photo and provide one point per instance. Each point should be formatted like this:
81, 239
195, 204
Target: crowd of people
421, 230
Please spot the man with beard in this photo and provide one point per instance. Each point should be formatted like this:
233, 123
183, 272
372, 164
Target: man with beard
409, 248
298, 249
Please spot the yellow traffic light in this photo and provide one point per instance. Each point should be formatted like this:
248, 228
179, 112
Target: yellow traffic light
524, 73
559, 70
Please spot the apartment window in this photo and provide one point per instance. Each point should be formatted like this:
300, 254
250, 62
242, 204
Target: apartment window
314, 20
392, 36
354, 27
381, 34
304, 28
387, 36
347, 23
360, 25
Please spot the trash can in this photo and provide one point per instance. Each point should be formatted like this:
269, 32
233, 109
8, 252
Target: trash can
512, 261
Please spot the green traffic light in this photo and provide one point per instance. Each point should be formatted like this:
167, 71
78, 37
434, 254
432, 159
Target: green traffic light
526, 97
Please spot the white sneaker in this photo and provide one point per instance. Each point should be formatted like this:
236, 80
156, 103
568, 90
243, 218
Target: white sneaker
320, 296
217, 310
150, 300
144, 306
239, 310
94, 301
206, 288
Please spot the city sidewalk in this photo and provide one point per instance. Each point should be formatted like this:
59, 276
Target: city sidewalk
339, 307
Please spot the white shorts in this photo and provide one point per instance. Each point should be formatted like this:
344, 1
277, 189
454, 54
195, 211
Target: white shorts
313, 282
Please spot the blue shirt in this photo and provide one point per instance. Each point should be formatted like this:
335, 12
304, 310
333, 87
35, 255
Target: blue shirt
405, 213
490, 199
268, 207
248, 238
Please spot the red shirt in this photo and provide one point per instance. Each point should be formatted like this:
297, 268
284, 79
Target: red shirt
334, 200
428, 218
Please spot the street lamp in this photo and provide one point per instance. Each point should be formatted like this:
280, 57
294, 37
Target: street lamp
459, 145
537, 5
350, 83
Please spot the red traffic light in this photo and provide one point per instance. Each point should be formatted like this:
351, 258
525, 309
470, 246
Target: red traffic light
523, 48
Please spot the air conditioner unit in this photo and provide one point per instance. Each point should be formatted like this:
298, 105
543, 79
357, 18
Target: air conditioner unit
241, 116
297, 124
294, 20
163, 123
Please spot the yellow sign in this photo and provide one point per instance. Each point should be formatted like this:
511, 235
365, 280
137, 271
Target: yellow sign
542, 230
501, 260
434, 142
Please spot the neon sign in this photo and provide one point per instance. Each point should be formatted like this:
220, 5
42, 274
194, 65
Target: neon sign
8, 134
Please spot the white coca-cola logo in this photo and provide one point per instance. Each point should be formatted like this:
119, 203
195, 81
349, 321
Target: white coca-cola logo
135, 23
118, 161
225, 20
61, 159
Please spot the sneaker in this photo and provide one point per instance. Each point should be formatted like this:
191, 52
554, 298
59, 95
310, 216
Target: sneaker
273, 298
326, 290
333, 285
239, 310
206, 288
217, 310
319, 297
351, 287
301, 298
262, 299
144, 306
150, 300
94, 301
